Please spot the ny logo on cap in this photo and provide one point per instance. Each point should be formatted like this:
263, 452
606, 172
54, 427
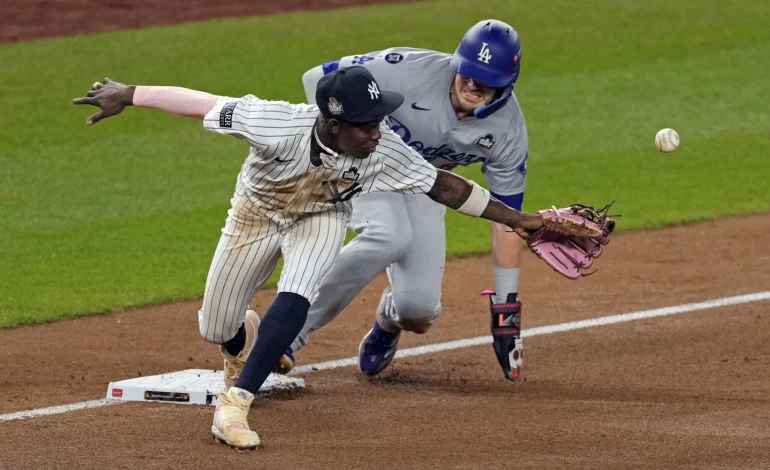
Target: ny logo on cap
484, 55
374, 92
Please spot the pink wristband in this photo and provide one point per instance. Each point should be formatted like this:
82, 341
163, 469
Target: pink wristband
175, 100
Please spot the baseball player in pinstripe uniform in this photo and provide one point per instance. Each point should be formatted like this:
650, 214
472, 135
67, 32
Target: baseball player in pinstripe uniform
293, 194
460, 110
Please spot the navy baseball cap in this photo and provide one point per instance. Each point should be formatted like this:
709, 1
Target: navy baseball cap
351, 94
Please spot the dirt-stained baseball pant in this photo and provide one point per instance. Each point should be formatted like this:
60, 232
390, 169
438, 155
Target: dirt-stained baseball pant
247, 254
404, 233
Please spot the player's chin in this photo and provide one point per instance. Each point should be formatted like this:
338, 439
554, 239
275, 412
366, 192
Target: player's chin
473, 104
466, 106
365, 152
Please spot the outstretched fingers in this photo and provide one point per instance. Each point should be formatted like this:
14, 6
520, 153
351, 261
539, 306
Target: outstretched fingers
85, 100
92, 101
95, 118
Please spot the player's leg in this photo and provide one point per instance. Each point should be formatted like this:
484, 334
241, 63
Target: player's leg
310, 249
384, 234
238, 270
244, 259
505, 305
413, 300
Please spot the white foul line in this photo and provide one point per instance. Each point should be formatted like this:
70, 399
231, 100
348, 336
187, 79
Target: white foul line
55, 410
550, 329
434, 348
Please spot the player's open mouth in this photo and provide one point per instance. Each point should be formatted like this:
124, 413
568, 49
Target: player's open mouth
473, 96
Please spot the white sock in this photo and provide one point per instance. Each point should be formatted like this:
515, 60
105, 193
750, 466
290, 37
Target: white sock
506, 282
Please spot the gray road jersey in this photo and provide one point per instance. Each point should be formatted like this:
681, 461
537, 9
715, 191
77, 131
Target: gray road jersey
427, 122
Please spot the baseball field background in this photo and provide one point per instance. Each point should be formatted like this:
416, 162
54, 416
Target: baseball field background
128, 213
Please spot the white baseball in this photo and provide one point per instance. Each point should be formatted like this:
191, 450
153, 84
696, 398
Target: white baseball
667, 140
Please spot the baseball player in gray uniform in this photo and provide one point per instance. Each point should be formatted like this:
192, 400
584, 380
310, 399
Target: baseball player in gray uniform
459, 109
293, 194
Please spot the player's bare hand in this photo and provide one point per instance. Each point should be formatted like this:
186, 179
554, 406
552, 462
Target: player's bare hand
527, 225
111, 97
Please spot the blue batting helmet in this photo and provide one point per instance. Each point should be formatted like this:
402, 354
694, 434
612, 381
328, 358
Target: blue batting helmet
490, 53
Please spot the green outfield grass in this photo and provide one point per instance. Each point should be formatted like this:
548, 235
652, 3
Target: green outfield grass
128, 213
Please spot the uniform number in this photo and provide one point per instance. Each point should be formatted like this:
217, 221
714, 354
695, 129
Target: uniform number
361, 59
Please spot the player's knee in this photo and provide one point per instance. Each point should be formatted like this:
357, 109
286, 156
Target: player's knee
210, 332
417, 310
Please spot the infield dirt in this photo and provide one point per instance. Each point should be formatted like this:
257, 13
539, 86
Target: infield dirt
689, 391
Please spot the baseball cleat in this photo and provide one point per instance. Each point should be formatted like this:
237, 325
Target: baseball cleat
377, 350
286, 363
234, 365
230, 419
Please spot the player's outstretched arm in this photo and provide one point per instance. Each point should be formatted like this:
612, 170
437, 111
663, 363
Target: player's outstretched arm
113, 97
469, 198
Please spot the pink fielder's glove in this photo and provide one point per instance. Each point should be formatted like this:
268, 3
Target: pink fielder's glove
572, 238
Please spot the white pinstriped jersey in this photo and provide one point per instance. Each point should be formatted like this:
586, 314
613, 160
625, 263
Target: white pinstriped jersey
283, 183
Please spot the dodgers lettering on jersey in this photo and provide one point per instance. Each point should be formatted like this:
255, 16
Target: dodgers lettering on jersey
282, 181
428, 124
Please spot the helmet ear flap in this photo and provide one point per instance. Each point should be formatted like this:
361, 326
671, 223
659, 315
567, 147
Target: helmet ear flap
486, 110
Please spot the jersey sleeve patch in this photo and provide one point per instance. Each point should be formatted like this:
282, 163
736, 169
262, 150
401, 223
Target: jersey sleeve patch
226, 115
394, 58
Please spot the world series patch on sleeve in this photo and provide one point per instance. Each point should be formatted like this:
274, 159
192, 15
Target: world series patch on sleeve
572, 238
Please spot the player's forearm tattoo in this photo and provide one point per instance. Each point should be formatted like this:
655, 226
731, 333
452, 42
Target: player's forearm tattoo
498, 212
452, 191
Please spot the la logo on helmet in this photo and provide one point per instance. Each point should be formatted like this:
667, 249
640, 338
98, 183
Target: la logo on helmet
484, 55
